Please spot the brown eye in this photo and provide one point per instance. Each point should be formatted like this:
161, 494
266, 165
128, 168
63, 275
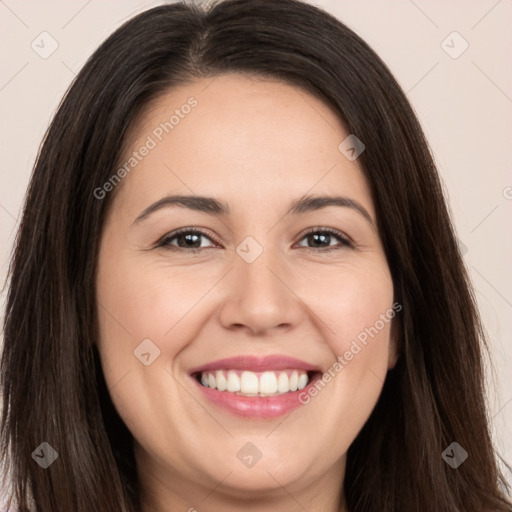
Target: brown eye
322, 238
186, 239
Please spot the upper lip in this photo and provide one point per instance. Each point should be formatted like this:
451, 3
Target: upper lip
256, 364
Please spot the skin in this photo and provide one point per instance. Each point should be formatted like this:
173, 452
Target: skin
256, 145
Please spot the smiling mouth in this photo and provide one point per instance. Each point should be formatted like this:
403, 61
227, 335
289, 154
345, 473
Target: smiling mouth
256, 384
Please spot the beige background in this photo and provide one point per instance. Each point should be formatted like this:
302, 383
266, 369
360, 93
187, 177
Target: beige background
463, 103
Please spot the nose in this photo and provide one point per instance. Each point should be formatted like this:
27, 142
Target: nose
260, 297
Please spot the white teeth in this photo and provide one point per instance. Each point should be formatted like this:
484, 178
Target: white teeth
248, 383
303, 380
233, 382
294, 380
268, 383
283, 384
222, 383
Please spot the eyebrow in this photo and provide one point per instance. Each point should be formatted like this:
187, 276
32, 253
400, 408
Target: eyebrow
212, 206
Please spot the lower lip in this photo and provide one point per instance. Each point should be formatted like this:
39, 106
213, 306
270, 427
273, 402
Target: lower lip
264, 407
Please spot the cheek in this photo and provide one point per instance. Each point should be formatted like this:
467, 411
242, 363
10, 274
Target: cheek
356, 304
139, 302
357, 309
145, 315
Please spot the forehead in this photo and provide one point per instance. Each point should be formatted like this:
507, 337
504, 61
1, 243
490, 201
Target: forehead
249, 138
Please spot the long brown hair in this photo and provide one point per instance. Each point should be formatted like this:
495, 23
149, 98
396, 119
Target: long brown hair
51, 378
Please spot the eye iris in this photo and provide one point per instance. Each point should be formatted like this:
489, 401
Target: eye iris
320, 238
187, 237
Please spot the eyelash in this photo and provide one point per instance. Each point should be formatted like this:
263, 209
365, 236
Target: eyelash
165, 241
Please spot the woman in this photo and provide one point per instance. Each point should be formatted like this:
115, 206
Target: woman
269, 369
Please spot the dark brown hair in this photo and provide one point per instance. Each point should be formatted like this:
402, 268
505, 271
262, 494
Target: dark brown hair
52, 383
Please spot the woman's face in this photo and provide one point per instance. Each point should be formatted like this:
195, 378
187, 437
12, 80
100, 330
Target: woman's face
254, 285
